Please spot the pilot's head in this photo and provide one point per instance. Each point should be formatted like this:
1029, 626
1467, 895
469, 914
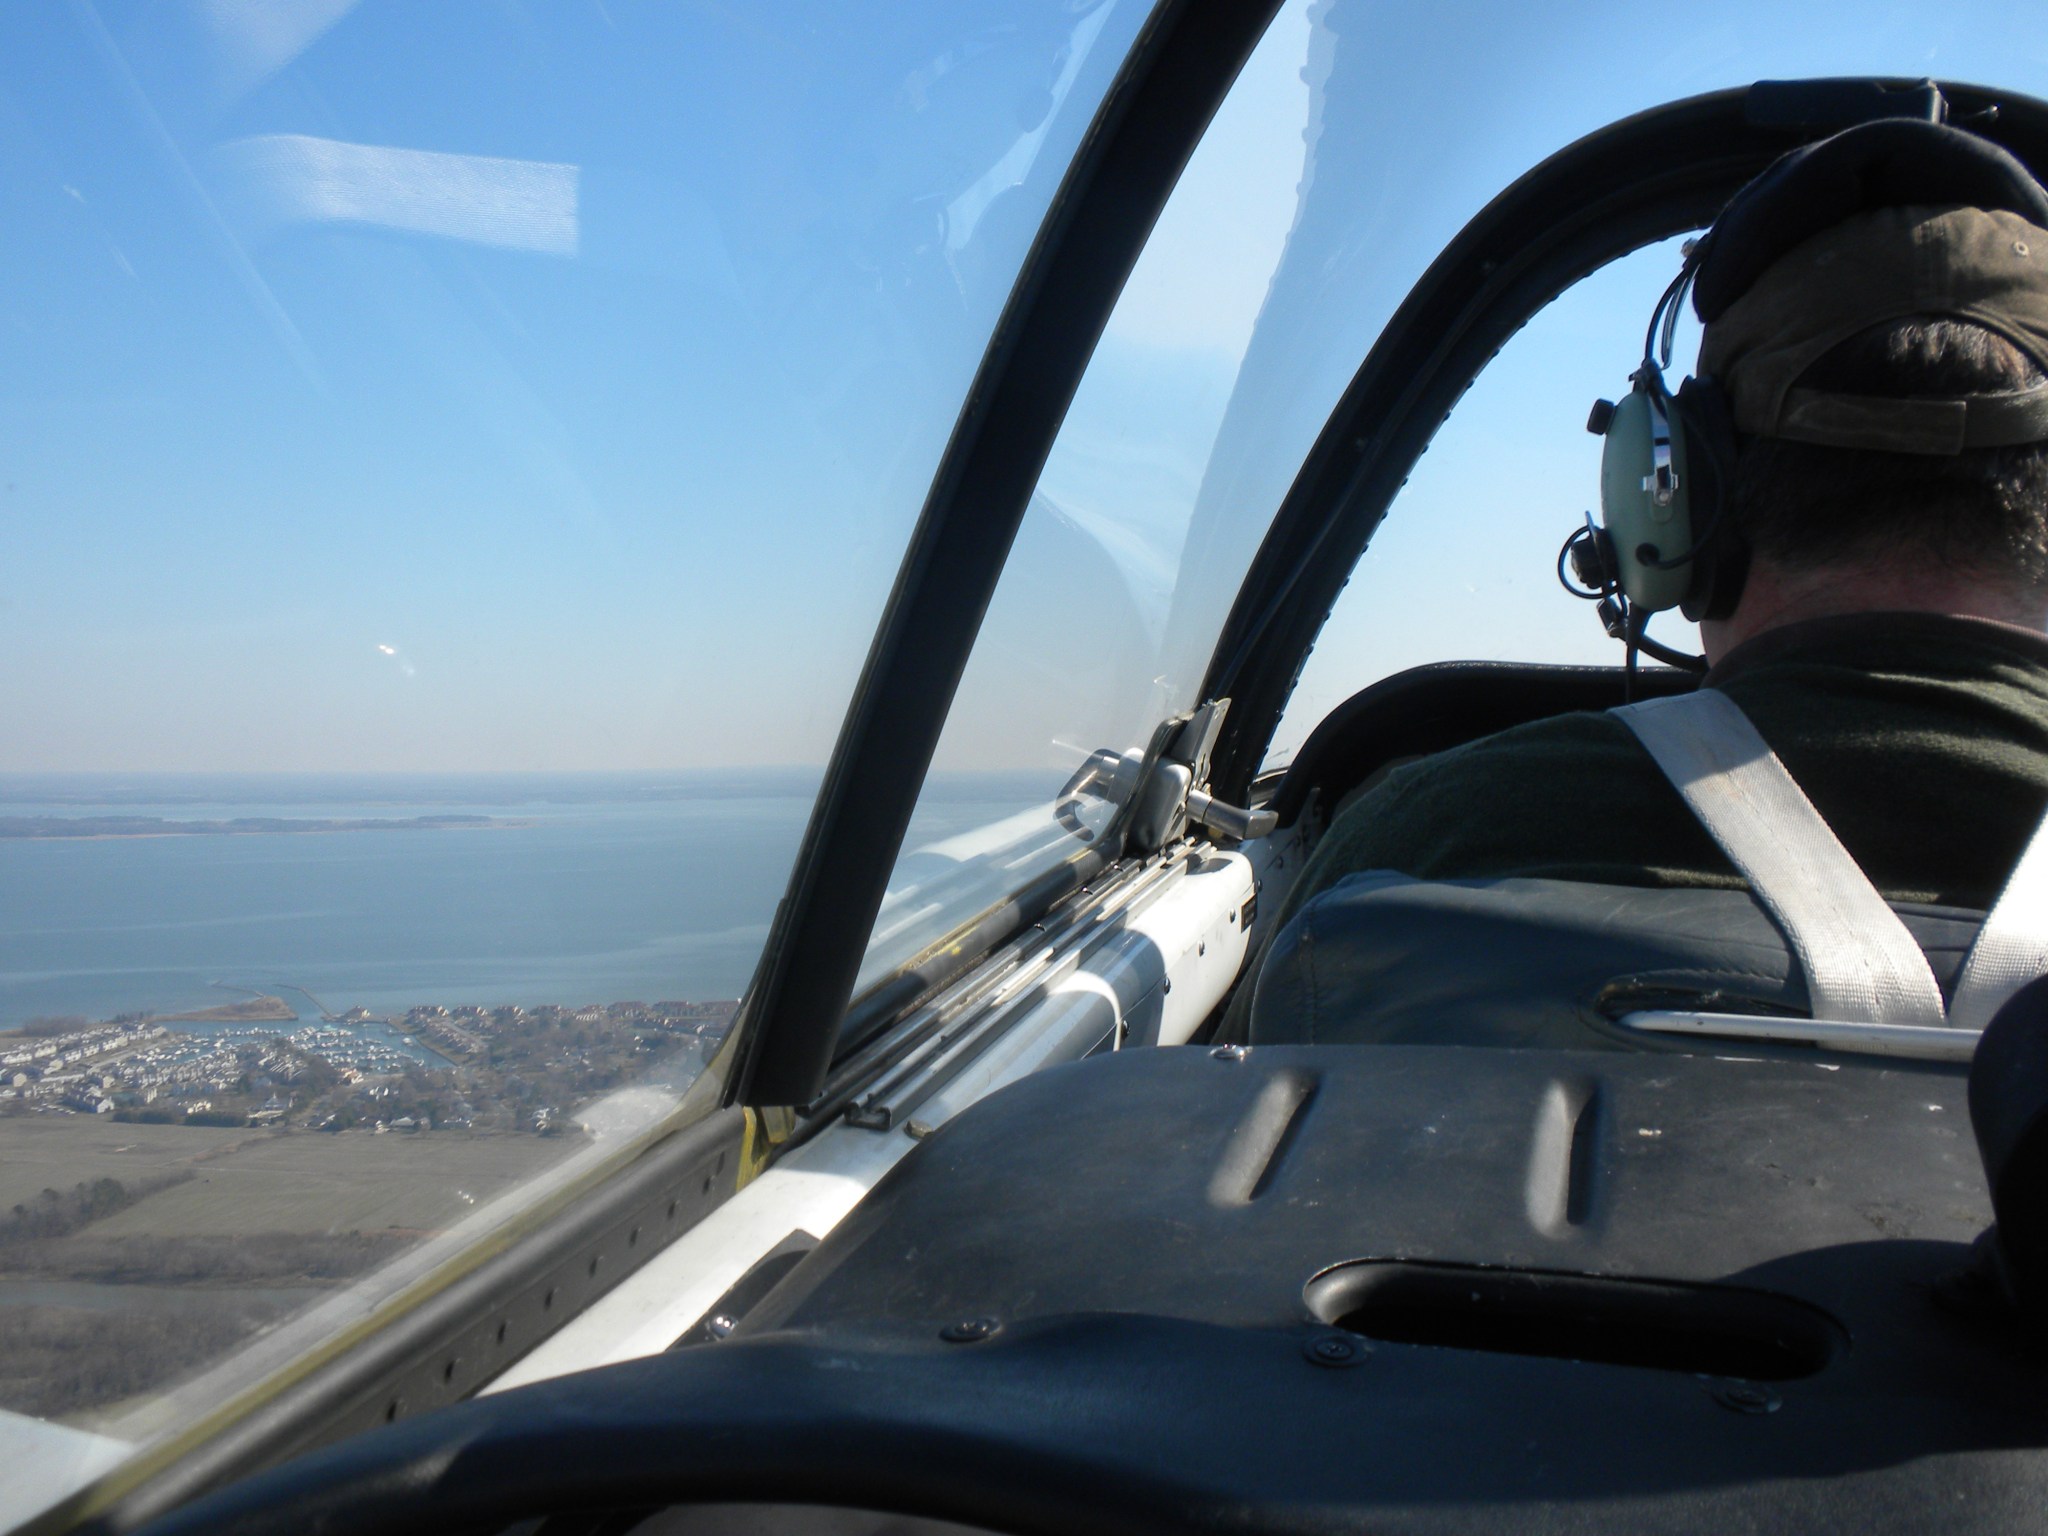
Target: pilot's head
1876, 317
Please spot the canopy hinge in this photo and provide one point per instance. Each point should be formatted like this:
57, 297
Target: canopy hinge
1175, 790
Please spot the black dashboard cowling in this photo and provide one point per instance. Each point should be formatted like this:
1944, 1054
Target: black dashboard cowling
1214, 1185
1392, 1288
1636, 1233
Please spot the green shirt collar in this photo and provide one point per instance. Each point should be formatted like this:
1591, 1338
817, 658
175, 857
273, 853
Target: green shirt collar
1890, 640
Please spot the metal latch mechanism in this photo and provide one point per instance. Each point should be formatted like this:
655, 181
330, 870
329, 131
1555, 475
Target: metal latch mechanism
1175, 790
1232, 821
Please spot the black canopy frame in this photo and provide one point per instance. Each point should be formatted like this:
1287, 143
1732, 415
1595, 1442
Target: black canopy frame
1643, 179
1182, 65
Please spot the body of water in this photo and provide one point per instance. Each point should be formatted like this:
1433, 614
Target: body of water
615, 887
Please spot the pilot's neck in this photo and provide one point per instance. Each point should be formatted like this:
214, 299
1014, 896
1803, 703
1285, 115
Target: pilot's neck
1774, 596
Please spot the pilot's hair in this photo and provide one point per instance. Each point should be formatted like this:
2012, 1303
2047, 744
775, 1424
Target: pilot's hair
1982, 512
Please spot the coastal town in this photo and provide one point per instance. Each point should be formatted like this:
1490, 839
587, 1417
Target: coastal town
224, 1166
469, 1068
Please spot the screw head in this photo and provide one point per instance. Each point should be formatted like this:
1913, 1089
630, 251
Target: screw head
1336, 1350
719, 1325
1747, 1397
1231, 1052
970, 1330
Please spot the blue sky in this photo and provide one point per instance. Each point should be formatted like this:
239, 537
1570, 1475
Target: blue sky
492, 385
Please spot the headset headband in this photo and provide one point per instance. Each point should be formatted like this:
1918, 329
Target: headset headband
1891, 163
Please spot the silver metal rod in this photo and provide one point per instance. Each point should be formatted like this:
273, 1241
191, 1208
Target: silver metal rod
1921, 1042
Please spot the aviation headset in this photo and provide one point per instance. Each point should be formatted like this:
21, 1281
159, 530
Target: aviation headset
1666, 538
1662, 540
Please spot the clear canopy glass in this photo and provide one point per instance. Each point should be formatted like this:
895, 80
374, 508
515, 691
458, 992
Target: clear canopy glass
1353, 148
455, 456
1464, 567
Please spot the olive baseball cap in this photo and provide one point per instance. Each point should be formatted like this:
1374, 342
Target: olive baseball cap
1884, 221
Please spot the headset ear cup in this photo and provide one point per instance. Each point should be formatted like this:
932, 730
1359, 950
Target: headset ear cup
1649, 532
1721, 563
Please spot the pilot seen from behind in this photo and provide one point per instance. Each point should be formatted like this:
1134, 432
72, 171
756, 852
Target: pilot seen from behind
1870, 568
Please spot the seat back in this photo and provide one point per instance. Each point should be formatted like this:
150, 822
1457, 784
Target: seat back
1381, 957
1442, 705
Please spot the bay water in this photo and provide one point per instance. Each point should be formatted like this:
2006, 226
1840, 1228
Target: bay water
606, 887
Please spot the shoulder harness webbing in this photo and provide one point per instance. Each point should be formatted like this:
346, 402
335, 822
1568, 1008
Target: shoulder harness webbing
1860, 963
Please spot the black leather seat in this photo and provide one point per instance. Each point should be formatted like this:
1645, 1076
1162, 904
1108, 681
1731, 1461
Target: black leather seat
1445, 704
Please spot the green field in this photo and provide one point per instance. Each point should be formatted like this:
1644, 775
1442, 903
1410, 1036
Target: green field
354, 1182
58, 1360
39, 1152
247, 1182
238, 1228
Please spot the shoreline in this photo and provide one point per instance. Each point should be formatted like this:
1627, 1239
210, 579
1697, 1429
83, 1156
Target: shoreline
229, 829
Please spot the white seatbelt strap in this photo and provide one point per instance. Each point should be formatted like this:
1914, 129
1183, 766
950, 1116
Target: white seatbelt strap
1860, 963
2012, 946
